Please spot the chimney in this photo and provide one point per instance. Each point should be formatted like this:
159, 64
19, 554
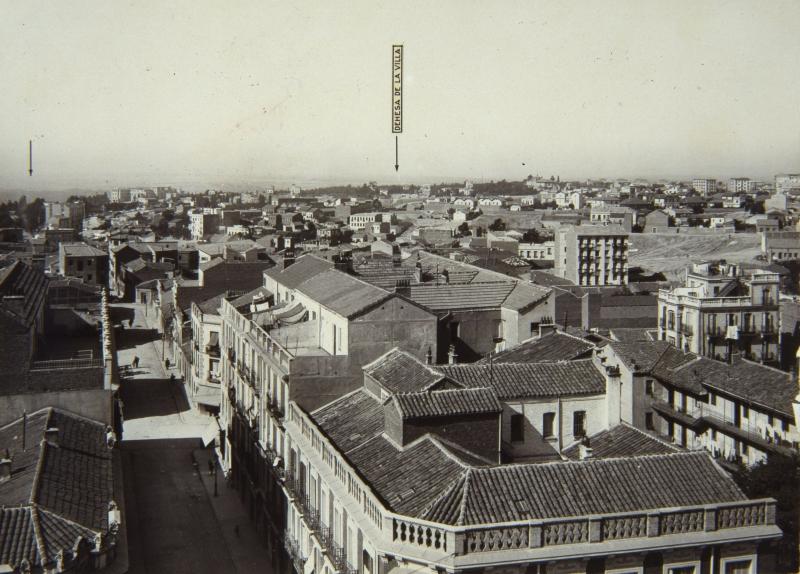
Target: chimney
584, 450
5, 470
546, 329
288, 258
51, 436
403, 286
451, 355
429, 357
397, 257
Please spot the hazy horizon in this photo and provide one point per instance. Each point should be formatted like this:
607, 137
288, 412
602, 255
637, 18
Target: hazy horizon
253, 93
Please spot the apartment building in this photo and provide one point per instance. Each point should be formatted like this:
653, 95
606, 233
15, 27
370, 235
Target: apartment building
360, 221
723, 309
387, 479
592, 255
741, 412
119, 195
64, 214
742, 185
704, 187
302, 337
203, 224
84, 262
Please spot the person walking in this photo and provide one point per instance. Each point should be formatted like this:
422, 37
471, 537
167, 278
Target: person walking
135, 362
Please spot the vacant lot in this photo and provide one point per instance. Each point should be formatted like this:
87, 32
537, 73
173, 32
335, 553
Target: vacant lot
670, 254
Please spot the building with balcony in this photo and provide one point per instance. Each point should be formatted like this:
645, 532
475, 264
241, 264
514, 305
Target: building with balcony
741, 412
723, 309
382, 480
204, 383
592, 255
304, 337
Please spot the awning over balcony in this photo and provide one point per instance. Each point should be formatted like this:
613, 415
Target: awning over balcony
208, 397
291, 314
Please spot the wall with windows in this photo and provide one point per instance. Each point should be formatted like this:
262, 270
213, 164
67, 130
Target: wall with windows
541, 428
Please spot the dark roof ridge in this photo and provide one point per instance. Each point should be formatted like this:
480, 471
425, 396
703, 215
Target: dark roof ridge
41, 546
609, 460
452, 487
463, 510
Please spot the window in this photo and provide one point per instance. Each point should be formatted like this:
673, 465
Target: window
687, 569
745, 412
648, 387
548, 420
713, 434
517, 428
738, 566
80, 265
648, 421
579, 423
534, 328
712, 399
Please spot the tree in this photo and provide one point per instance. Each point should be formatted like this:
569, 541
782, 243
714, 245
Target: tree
32, 214
497, 225
479, 231
531, 236
463, 229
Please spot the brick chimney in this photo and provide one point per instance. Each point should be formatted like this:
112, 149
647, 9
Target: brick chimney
5, 470
451, 355
51, 436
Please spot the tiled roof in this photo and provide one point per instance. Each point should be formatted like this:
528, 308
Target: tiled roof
301, 270
750, 382
630, 334
557, 346
400, 372
525, 295
20, 279
342, 293
408, 480
81, 250
523, 380
461, 296
427, 479
350, 420
62, 491
247, 298
622, 440
641, 357
597, 486
447, 402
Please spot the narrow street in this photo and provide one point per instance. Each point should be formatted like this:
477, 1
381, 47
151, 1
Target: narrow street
172, 525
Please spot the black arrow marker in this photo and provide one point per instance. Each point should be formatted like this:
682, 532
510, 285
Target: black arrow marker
30, 157
396, 162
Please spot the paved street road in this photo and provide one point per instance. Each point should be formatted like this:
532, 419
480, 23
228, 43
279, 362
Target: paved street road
172, 526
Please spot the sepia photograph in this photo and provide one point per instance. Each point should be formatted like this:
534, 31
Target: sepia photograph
373, 287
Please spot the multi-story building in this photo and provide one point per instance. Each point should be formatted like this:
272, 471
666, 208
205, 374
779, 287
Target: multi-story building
720, 310
537, 251
302, 337
592, 255
402, 475
359, 221
704, 186
203, 224
84, 262
64, 215
119, 195
740, 411
742, 185
785, 183
204, 385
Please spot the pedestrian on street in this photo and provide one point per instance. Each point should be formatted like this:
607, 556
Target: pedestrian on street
135, 362
210, 467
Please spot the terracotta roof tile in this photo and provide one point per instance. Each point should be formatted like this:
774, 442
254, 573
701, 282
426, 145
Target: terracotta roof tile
550, 348
447, 402
622, 440
518, 380
400, 372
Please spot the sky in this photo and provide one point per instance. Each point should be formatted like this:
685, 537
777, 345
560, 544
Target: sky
201, 93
